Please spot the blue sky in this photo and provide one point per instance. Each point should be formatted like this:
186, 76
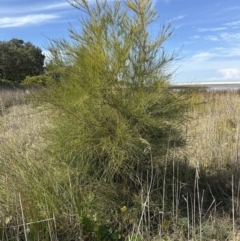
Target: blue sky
207, 32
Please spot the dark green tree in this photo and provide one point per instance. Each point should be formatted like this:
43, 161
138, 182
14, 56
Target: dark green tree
19, 59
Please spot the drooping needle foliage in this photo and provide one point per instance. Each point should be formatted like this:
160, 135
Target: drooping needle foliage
116, 115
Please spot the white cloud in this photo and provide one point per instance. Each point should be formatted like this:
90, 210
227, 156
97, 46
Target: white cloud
233, 24
219, 63
229, 37
195, 37
25, 9
203, 56
232, 52
211, 29
233, 73
26, 20
211, 38
54, 6
179, 17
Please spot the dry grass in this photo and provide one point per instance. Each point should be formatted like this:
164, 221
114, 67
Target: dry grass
213, 150
214, 130
209, 194
10, 96
20, 147
20, 122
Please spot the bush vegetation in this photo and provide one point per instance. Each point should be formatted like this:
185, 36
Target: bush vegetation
46, 196
116, 118
20, 59
110, 151
39, 80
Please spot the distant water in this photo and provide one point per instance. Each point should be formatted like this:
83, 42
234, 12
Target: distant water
224, 87
209, 85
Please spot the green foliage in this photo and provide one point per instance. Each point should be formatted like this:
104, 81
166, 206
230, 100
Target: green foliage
52, 75
19, 59
42, 80
6, 83
115, 117
117, 89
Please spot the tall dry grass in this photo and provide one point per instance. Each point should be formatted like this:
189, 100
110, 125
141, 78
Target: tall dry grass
214, 130
10, 96
213, 151
199, 194
20, 161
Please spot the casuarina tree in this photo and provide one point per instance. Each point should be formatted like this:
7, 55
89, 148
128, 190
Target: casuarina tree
117, 116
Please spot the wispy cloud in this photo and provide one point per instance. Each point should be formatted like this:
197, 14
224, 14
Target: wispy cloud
230, 37
229, 74
194, 37
8, 22
233, 8
233, 24
55, 6
211, 29
203, 56
213, 38
33, 8
179, 17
